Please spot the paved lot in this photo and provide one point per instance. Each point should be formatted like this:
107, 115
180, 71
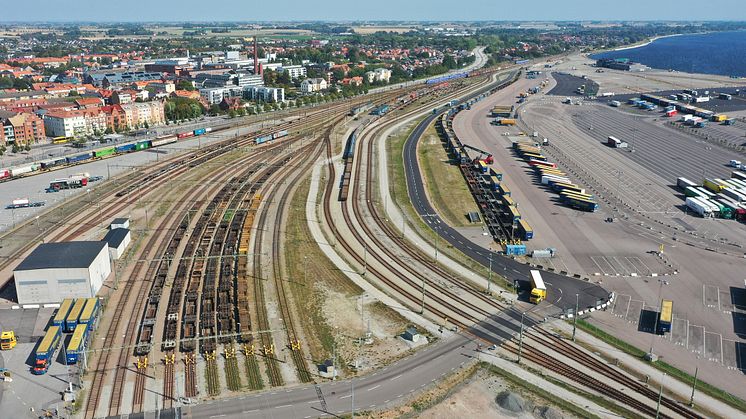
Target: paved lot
738, 103
707, 344
567, 85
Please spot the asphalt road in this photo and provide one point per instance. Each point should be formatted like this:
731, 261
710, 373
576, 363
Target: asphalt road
560, 288
383, 388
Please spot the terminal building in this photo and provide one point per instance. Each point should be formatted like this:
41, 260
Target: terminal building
623, 64
55, 271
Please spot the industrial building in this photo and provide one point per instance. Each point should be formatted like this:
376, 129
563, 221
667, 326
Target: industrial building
55, 271
118, 239
623, 64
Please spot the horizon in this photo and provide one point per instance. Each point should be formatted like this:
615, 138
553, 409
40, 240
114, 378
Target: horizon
89, 11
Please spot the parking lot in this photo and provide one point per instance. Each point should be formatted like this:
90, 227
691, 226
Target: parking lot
706, 344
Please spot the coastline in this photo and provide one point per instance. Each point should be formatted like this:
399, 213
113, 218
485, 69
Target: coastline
650, 41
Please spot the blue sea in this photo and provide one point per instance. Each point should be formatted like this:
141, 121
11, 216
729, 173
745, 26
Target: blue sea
722, 53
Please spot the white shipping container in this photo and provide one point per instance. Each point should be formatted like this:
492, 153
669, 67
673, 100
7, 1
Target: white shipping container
21, 170
21, 201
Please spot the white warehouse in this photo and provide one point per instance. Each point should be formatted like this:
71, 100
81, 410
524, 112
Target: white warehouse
55, 271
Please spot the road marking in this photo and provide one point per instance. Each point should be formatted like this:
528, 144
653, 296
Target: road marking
283, 406
345, 397
399, 396
250, 411
395, 377
386, 401
314, 401
373, 388
242, 398
217, 416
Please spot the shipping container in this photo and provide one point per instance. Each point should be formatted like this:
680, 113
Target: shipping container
504, 190
542, 164
168, 139
550, 180
199, 131
53, 162
103, 152
185, 135
126, 148
666, 317
79, 157
719, 117
143, 145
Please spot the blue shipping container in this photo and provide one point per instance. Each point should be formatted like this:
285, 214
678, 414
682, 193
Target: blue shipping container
125, 148
264, 139
200, 131
515, 249
79, 157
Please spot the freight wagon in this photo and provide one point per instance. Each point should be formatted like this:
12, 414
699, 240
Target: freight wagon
143, 145
168, 139
17, 171
126, 148
349, 151
263, 139
380, 110
280, 134
104, 152
50, 163
185, 135
44, 353
79, 158
76, 347
199, 131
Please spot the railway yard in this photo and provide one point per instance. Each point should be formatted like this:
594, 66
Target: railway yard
201, 316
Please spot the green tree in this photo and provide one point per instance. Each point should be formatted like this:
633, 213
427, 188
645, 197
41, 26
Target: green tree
184, 85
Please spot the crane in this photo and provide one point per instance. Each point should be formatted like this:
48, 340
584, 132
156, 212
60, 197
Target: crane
488, 159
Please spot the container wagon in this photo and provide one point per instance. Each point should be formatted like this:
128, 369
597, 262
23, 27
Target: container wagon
280, 134
79, 158
62, 312
263, 139
167, 139
89, 313
126, 148
514, 214
183, 135
524, 230
504, 190
44, 353
72, 318
104, 152
48, 164
666, 317
199, 131
76, 346
143, 145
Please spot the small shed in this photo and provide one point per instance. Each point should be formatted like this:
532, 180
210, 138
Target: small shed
411, 334
120, 223
326, 369
118, 239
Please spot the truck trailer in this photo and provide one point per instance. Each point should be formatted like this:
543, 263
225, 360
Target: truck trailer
44, 354
538, 289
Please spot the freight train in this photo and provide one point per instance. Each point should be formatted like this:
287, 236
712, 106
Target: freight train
111, 151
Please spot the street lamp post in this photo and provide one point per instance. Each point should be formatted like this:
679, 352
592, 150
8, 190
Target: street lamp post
575, 317
520, 339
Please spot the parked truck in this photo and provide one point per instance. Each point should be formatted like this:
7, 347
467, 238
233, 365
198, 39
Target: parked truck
45, 351
8, 340
538, 289
698, 207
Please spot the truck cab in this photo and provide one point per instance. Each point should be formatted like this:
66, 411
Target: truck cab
8, 340
41, 366
538, 289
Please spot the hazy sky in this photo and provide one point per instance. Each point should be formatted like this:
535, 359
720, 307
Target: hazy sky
337, 10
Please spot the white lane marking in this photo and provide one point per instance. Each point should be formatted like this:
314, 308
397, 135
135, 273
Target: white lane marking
395, 377
283, 406
250, 411
344, 397
314, 401
217, 416
373, 388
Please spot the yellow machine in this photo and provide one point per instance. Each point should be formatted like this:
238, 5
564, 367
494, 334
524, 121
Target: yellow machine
8, 340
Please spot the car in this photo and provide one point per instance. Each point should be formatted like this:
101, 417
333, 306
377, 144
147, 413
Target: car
493, 347
51, 190
95, 178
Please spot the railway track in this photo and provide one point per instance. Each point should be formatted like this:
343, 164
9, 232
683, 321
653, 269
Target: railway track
169, 364
109, 205
132, 297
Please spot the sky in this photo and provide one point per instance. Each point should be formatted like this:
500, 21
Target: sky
345, 10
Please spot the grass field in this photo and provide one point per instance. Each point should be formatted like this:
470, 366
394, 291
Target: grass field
365, 30
445, 184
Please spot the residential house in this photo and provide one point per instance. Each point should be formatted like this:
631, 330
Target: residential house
21, 128
266, 94
89, 102
231, 103
313, 85
75, 123
294, 71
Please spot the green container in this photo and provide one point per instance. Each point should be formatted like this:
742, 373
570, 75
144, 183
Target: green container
104, 152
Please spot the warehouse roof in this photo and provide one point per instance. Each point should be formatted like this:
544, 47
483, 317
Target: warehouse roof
116, 236
78, 254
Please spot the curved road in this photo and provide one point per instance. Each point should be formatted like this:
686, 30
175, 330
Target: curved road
589, 294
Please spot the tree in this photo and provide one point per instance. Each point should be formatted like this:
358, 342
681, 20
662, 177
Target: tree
27, 147
214, 109
184, 85
146, 125
232, 113
73, 93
